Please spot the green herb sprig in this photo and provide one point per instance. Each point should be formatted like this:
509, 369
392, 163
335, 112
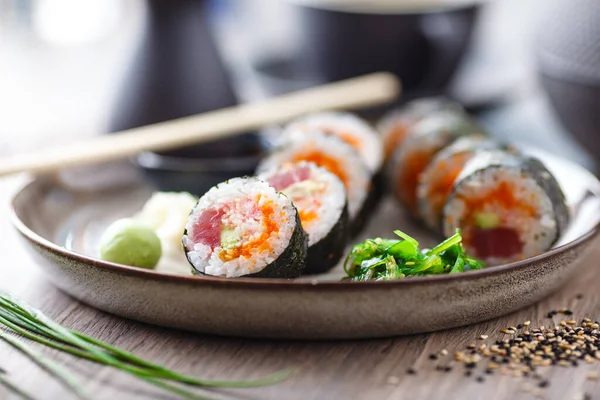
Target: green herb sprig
45, 363
388, 259
33, 324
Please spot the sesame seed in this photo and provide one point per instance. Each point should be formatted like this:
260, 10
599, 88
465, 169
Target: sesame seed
480, 379
483, 337
592, 376
572, 322
544, 384
471, 346
433, 356
519, 326
411, 371
526, 323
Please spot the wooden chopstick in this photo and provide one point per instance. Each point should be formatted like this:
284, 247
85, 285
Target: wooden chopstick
366, 91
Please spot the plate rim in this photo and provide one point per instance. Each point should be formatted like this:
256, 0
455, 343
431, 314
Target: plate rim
268, 283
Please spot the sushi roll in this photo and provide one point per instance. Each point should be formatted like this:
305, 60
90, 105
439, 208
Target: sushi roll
244, 227
425, 140
320, 198
395, 125
509, 207
348, 127
437, 180
335, 155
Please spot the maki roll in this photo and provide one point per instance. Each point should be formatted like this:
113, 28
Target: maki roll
437, 180
425, 140
320, 198
333, 154
348, 127
244, 227
395, 125
508, 207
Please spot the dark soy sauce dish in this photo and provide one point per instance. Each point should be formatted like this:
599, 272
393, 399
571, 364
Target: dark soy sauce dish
196, 169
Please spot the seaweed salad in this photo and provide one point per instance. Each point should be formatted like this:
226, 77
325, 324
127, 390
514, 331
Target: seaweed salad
388, 259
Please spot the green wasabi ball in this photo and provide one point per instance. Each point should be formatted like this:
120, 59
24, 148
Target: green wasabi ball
129, 242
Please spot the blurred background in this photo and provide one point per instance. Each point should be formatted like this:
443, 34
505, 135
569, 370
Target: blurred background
75, 68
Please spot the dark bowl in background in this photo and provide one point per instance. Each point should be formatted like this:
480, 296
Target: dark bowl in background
192, 171
423, 46
177, 71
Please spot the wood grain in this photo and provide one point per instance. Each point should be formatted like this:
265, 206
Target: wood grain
370, 369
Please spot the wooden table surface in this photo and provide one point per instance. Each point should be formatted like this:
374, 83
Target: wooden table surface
366, 369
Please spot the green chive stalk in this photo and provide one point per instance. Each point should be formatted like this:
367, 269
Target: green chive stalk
45, 363
32, 324
11, 387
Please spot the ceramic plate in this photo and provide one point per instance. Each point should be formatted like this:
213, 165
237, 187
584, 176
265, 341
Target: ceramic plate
61, 221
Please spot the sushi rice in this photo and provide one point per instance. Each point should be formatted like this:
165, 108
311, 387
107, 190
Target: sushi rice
241, 227
425, 140
508, 207
395, 125
348, 127
331, 153
320, 198
437, 180
319, 195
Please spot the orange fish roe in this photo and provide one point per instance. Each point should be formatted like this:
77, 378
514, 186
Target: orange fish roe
323, 160
441, 184
408, 179
307, 216
261, 243
502, 195
350, 139
395, 138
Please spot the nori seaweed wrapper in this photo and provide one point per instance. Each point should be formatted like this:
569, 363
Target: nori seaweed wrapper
327, 252
370, 205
